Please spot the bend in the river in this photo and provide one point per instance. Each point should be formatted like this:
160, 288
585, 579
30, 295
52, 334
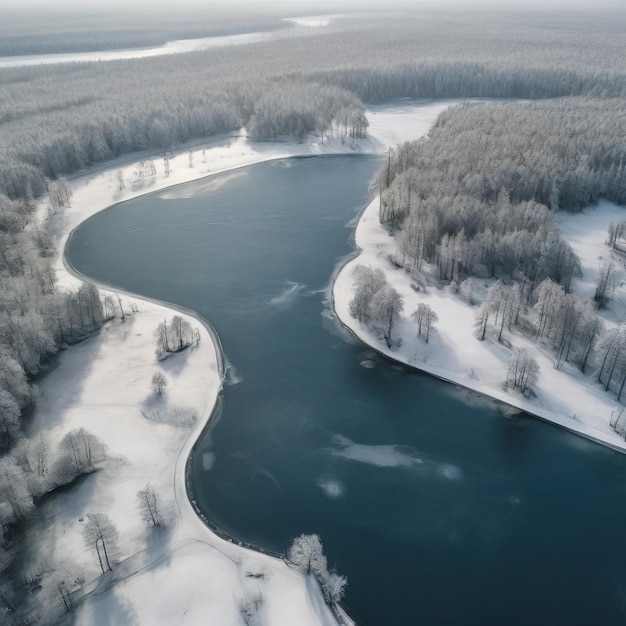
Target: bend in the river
439, 507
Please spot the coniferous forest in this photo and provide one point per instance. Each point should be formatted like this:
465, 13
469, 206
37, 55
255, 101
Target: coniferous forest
476, 197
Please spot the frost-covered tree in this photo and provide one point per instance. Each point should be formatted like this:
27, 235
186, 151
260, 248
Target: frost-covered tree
424, 317
58, 585
522, 373
175, 336
148, 502
384, 308
158, 382
9, 417
80, 452
16, 501
605, 285
100, 534
306, 554
367, 282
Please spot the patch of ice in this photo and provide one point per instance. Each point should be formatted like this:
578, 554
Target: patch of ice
211, 183
232, 376
368, 364
208, 461
315, 21
332, 488
287, 296
451, 472
381, 456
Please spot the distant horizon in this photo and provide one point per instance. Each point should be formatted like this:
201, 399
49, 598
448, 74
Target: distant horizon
299, 8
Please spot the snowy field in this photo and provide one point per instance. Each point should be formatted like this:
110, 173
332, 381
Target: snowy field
184, 574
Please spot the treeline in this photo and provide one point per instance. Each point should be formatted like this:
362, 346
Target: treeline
55, 120
478, 195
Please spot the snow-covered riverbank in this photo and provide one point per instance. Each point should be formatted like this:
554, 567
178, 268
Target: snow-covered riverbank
184, 573
564, 397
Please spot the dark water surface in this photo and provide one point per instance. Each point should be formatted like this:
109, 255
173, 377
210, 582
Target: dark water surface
440, 509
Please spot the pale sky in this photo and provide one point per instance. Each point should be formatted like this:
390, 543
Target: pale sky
299, 6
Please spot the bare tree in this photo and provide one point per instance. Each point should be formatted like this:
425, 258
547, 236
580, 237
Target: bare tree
429, 319
149, 506
159, 382
385, 306
605, 286
81, 451
101, 535
523, 372
481, 322
424, 317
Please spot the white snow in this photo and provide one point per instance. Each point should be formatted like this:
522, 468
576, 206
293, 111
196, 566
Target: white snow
312, 21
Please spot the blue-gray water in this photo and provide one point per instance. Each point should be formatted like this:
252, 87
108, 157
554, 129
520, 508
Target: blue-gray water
439, 509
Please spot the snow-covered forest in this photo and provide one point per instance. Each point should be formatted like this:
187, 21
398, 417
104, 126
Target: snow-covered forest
490, 212
476, 198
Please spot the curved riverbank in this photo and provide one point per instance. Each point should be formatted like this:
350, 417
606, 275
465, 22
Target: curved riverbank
583, 408
103, 385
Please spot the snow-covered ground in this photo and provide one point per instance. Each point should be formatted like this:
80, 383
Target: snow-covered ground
564, 396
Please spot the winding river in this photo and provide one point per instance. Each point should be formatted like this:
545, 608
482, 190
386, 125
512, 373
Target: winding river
439, 506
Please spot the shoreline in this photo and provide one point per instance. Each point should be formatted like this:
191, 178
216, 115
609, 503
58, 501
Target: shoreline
290, 593
341, 291
96, 191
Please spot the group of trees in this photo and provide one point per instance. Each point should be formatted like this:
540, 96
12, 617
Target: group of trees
173, 337
489, 212
375, 303
306, 554
29, 470
551, 316
522, 373
289, 87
